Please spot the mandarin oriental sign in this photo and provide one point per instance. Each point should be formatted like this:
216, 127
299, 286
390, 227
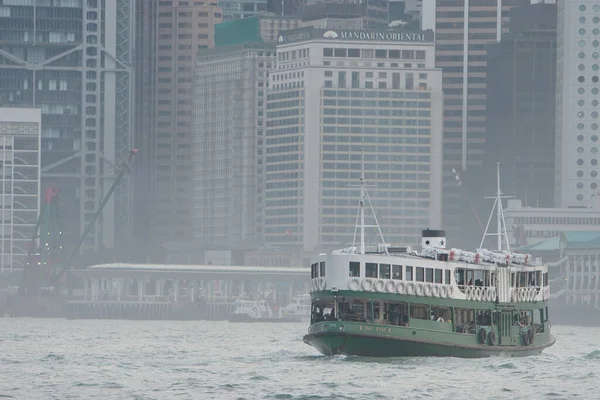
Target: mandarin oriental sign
303, 34
388, 36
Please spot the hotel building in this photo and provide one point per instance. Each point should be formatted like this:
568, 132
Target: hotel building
333, 95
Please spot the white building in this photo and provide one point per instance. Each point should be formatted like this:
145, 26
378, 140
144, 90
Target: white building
529, 225
334, 93
20, 133
227, 144
577, 103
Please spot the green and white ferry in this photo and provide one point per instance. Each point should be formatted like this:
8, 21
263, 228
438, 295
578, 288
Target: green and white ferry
392, 301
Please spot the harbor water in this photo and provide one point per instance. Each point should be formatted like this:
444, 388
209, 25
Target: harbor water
109, 359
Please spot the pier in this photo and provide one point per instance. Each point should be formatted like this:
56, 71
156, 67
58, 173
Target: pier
161, 292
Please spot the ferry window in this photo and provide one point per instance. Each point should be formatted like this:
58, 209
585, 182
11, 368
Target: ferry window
322, 268
512, 279
313, 270
428, 274
371, 270
447, 277
409, 273
420, 274
538, 278
546, 279
354, 268
438, 276
396, 271
384, 271
460, 276
470, 275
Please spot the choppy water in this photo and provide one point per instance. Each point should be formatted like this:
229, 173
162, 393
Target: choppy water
60, 359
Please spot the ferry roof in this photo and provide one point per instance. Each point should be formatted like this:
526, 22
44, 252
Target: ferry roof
169, 271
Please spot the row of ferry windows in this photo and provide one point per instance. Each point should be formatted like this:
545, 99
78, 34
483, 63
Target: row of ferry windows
389, 271
317, 269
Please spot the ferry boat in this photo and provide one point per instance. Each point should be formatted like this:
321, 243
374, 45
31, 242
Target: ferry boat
393, 301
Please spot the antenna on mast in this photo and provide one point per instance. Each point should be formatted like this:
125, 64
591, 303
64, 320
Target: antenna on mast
499, 215
365, 198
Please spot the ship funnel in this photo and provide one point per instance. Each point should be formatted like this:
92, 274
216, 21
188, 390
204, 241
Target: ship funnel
433, 238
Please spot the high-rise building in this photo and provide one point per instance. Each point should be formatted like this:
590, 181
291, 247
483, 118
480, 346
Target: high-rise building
335, 97
169, 37
72, 59
228, 142
577, 103
521, 88
20, 130
463, 29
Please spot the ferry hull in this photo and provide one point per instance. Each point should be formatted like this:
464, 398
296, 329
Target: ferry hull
376, 345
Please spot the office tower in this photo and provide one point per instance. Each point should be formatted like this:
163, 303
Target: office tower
20, 130
228, 142
169, 37
333, 94
463, 29
521, 88
73, 60
577, 103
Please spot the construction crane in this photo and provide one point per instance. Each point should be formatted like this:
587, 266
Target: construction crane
43, 255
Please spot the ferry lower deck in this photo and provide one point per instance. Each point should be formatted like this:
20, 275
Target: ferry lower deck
376, 325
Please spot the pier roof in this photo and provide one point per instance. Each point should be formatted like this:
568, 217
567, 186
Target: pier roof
215, 272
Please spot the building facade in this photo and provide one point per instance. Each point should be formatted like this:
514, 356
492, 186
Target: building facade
577, 103
73, 60
464, 29
170, 34
334, 97
228, 145
20, 140
238, 9
521, 89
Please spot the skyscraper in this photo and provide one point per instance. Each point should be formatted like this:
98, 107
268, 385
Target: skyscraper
228, 145
521, 88
169, 37
73, 60
335, 93
463, 29
577, 103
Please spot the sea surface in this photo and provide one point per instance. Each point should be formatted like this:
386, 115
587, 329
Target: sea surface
107, 359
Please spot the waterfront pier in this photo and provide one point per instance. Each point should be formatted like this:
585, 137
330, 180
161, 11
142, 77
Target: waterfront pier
154, 291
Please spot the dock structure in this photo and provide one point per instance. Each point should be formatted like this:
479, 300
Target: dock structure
154, 291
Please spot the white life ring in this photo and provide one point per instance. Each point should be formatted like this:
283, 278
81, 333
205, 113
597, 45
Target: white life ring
410, 288
312, 285
390, 286
443, 291
322, 283
428, 289
469, 292
367, 285
354, 284
479, 294
450, 290
400, 288
436, 291
419, 289
379, 285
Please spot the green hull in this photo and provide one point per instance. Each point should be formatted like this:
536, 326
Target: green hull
372, 340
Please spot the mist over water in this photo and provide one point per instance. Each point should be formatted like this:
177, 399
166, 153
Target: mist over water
84, 359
